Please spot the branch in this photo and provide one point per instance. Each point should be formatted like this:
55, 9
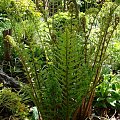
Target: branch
9, 80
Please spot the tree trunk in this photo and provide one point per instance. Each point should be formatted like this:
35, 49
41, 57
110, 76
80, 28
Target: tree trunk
7, 52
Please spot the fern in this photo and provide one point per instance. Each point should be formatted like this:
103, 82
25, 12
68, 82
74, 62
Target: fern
67, 65
63, 86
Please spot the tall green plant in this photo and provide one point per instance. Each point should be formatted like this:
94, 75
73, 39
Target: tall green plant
64, 87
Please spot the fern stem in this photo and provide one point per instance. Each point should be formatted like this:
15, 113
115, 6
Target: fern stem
36, 27
66, 78
25, 67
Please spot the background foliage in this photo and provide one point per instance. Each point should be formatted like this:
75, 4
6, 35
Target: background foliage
64, 56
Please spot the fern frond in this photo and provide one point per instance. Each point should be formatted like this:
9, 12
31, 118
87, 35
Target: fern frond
66, 61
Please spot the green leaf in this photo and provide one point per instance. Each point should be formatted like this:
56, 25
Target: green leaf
111, 101
35, 115
117, 1
100, 99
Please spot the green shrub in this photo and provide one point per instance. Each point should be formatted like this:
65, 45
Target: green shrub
108, 92
64, 20
12, 104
